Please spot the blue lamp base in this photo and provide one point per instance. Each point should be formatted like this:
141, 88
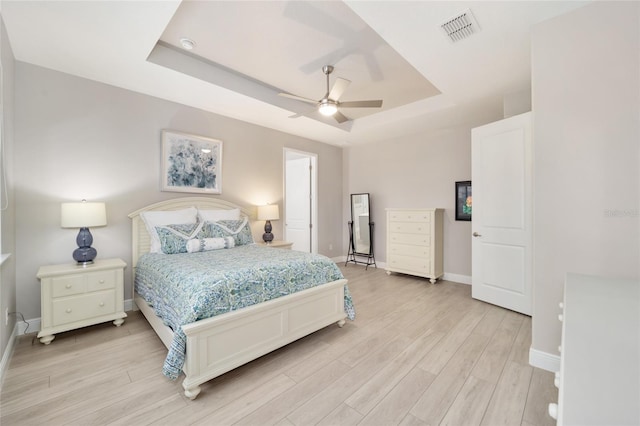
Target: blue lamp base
267, 237
84, 254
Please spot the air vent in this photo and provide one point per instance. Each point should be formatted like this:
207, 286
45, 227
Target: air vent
461, 26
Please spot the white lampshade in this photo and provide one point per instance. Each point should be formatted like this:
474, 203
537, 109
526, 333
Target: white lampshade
83, 215
268, 212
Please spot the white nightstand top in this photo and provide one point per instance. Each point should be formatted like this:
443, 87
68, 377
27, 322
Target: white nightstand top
70, 268
276, 243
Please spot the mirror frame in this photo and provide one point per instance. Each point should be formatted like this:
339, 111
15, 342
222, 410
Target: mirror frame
353, 221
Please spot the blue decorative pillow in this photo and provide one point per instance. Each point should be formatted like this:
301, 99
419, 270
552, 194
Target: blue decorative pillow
173, 238
238, 229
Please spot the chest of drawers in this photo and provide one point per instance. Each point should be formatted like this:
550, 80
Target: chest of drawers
414, 242
599, 377
74, 296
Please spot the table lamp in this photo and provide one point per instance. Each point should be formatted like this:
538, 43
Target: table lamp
269, 212
83, 215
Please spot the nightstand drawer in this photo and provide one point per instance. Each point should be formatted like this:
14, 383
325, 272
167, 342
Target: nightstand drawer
102, 280
67, 285
80, 307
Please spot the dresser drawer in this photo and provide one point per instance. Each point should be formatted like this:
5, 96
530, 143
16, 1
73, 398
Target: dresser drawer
409, 216
66, 310
410, 250
102, 280
412, 239
410, 227
67, 285
407, 263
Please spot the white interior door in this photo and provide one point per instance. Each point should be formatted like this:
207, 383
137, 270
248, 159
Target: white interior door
501, 160
300, 201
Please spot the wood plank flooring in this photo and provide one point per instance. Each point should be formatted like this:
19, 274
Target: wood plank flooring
417, 354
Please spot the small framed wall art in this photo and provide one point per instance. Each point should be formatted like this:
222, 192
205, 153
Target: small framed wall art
463, 200
191, 163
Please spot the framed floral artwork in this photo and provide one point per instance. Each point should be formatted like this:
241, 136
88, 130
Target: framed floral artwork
191, 163
463, 200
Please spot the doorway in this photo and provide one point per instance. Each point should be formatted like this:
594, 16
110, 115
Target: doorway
301, 200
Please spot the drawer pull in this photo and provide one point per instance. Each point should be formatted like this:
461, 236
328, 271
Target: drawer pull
553, 411
560, 349
561, 305
68, 310
101, 304
556, 380
67, 286
101, 281
560, 317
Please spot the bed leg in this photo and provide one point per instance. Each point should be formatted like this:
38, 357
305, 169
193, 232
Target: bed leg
341, 323
192, 392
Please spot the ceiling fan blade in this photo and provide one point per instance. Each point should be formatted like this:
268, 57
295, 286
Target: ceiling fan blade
340, 118
338, 88
361, 104
297, 98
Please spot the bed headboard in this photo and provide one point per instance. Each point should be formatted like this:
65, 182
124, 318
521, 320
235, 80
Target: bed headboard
140, 237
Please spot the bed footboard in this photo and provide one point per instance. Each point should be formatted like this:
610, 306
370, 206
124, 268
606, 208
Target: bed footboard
220, 344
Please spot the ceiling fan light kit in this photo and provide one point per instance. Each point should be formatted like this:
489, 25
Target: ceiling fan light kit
329, 105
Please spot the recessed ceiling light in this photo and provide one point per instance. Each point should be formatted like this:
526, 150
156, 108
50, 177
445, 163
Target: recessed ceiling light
187, 43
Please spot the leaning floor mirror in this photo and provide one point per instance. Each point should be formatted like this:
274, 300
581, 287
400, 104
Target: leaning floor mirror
361, 231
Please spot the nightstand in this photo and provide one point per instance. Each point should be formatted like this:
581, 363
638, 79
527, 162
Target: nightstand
73, 296
278, 244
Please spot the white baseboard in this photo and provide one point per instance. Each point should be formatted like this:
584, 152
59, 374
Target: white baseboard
457, 278
544, 360
8, 352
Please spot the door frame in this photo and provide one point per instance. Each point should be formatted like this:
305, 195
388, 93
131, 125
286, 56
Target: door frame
314, 193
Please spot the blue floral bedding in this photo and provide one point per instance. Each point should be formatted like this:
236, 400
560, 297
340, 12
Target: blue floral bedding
186, 287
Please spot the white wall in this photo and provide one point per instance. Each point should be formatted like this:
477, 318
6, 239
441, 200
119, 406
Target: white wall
7, 204
415, 172
586, 103
80, 139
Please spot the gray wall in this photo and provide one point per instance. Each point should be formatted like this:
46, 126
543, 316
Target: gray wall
416, 172
586, 100
80, 139
7, 203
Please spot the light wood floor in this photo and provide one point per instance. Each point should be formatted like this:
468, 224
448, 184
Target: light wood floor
417, 354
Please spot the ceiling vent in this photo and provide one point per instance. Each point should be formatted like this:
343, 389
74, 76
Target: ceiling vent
461, 26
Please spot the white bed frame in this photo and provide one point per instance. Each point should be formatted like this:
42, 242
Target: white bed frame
220, 344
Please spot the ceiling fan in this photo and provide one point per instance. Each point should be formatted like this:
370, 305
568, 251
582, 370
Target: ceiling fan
330, 103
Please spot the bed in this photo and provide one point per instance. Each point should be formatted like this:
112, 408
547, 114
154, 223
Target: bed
218, 344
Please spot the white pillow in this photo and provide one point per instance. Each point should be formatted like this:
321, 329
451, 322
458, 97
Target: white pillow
216, 215
205, 244
163, 218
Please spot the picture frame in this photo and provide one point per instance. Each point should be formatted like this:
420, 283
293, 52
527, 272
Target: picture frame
464, 200
191, 163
